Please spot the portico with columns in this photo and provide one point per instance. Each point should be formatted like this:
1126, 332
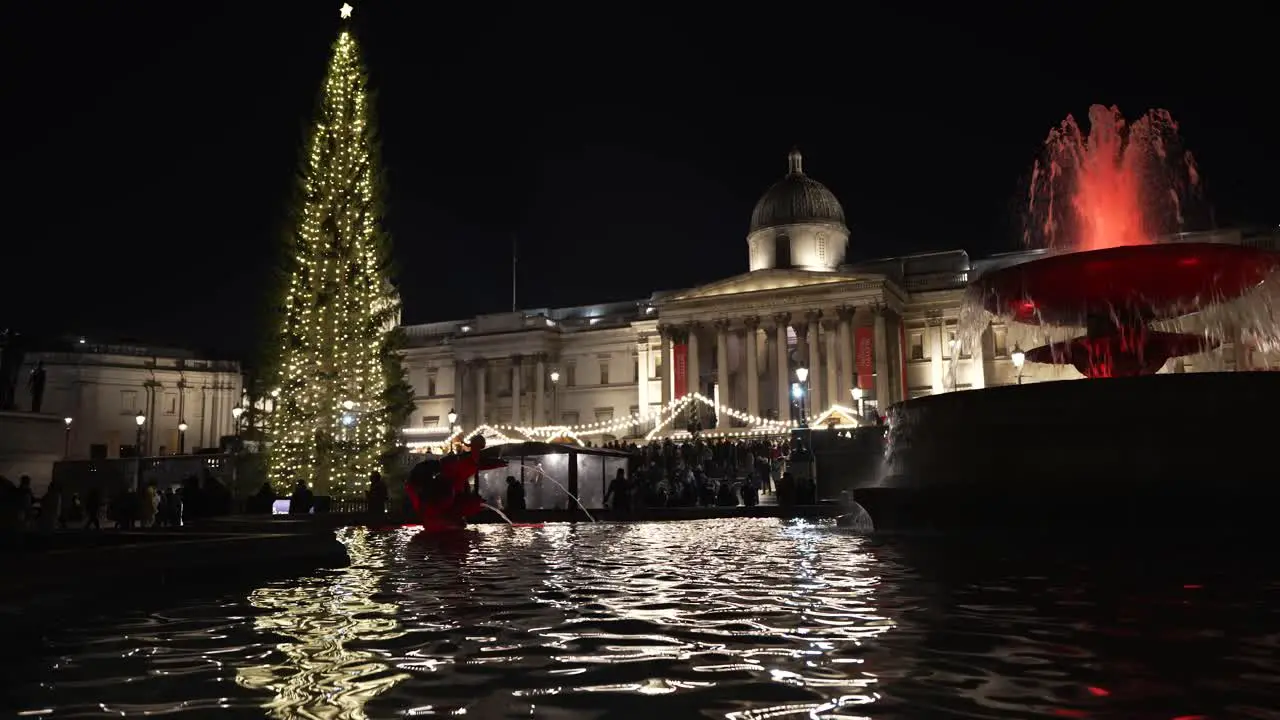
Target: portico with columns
753, 331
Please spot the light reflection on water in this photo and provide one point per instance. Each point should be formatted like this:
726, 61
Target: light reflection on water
321, 617
740, 619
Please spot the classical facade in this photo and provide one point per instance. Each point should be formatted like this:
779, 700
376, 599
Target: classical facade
104, 388
882, 331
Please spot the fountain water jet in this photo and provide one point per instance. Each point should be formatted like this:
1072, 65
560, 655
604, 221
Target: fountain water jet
1116, 185
560, 485
500, 514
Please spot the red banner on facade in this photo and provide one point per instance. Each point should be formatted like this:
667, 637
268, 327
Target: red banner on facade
680, 364
865, 359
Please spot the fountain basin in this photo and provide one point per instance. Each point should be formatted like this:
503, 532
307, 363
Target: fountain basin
1173, 451
1146, 281
1112, 354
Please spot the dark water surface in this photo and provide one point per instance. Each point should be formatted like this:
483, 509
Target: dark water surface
724, 618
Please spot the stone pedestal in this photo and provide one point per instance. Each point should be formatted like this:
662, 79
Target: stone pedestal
30, 443
1133, 453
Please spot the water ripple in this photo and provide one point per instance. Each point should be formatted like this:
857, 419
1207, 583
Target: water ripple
740, 619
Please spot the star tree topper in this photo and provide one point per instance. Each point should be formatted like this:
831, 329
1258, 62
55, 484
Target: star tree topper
345, 11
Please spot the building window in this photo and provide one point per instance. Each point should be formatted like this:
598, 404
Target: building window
431, 384
635, 362
569, 418
431, 421
917, 346
171, 403
604, 415
570, 375
657, 367
1000, 341
129, 402
604, 373
782, 252
948, 343
822, 247
966, 347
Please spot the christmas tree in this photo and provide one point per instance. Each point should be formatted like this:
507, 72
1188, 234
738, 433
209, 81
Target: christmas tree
342, 395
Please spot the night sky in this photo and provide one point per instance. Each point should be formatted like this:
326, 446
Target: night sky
152, 146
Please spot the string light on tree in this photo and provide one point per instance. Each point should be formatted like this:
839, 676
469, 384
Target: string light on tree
341, 391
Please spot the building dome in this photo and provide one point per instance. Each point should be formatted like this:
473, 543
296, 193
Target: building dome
796, 198
798, 224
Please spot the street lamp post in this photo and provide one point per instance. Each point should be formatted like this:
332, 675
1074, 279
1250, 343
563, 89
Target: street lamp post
453, 419
140, 420
1018, 358
555, 397
236, 412
182, 437
802, 374
66, 440
856, 392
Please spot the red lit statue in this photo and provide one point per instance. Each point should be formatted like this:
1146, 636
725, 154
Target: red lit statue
438, 488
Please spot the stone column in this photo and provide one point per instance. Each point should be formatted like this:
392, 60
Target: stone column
936, 374
668, 373
693, 370
884, 383
829, 328
480, 367
749, 341
459, 391
782, 372
515, 390
540, 392
846, 352
642, 374
977, 361
1239, 358
815, 363
722, 371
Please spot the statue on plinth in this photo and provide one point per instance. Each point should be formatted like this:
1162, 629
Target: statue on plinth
35, 384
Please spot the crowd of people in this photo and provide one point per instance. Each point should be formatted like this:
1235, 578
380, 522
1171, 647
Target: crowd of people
700, 472
22, 509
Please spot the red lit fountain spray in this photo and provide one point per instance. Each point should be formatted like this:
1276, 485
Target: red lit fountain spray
1099, 204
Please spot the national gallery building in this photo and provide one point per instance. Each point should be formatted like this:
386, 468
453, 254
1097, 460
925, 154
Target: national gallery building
727, 353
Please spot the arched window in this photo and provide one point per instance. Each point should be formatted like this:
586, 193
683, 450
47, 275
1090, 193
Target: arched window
783, 251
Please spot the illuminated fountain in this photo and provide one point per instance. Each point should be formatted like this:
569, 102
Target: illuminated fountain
1098, 203
1113, 297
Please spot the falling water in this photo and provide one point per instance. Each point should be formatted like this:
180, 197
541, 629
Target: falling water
1252, 319
500, 514
544, 474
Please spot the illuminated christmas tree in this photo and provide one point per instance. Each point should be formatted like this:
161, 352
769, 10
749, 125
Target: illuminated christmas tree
342, 394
